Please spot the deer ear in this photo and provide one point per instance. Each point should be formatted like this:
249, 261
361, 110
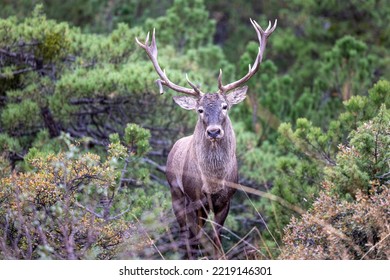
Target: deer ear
237, 95
186, 102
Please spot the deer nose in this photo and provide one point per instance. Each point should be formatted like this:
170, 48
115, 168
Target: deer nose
214, 132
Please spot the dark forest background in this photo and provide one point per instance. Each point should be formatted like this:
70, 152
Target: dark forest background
84, 133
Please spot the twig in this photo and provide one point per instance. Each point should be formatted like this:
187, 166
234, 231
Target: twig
155, 164
241, 240
88, 210
119, 215
261, 217
373, 247
235, 235
147, 235
17, 72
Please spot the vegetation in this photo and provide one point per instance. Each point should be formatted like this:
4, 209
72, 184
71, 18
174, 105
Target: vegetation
84, 133
354, 228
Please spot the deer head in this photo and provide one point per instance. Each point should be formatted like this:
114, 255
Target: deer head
212, 108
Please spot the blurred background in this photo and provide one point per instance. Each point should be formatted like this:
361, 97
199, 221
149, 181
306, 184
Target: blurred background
84, 133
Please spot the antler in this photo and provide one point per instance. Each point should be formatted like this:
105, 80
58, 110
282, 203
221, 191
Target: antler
151, 51
262, 36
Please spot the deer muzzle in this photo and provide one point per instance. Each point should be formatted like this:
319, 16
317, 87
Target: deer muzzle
214, 132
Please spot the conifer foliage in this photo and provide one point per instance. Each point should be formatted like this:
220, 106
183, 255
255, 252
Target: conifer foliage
84, 133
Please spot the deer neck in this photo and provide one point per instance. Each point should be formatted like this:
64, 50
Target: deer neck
215, 159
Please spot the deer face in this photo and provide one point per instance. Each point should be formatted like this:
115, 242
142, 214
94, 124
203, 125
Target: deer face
212, 110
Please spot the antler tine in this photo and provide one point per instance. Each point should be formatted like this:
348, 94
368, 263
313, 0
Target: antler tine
151, 51
197, 90
220, 79
153, 45
262, 37
147, 39
274, 26
269, 26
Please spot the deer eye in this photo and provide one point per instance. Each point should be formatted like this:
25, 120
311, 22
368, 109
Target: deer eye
224, 107
200, 110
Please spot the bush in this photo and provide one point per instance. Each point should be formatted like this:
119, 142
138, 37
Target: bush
74, 205
351, 218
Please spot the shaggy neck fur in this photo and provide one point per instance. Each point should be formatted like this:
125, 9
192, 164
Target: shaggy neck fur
216, 159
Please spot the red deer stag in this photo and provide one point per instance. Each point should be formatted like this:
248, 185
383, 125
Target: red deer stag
200, 167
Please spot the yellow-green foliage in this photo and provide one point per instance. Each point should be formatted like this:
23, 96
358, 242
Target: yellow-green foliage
74, 205
45, 207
